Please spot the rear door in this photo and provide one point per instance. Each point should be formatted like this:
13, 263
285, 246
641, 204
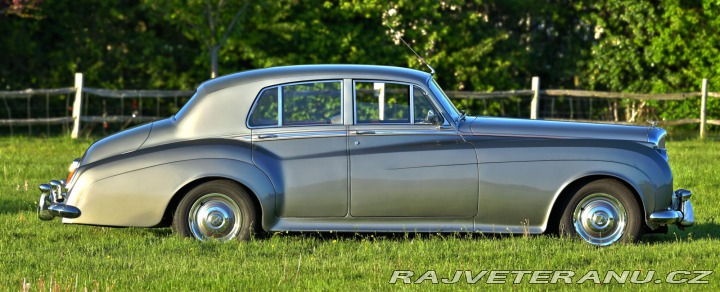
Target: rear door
300, 141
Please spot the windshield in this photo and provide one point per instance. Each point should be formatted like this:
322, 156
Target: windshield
444, 100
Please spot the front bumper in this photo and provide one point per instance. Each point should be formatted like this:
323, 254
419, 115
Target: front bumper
680, 211
52, 202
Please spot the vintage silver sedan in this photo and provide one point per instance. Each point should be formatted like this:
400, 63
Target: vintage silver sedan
359, 148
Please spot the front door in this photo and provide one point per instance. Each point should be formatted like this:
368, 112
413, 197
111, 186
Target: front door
405, 160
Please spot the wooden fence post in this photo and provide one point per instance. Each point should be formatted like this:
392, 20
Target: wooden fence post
703, 108
77, 105
535, 99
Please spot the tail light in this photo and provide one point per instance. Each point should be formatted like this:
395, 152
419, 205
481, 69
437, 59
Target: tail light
73, 167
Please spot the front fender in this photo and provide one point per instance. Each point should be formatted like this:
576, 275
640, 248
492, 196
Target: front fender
534, 187
529, 175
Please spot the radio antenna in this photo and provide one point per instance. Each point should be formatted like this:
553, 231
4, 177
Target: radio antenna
432, 71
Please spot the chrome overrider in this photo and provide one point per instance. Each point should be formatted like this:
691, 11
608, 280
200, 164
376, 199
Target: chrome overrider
52, 202
680, 211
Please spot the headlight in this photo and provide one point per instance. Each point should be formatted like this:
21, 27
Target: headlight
656, 136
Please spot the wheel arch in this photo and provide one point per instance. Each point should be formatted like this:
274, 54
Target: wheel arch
571, 188
247, 176
180, 194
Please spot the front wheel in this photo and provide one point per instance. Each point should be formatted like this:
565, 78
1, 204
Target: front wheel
219, 210
601, 213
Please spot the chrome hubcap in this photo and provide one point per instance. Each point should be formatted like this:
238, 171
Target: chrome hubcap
215, 216
600, 219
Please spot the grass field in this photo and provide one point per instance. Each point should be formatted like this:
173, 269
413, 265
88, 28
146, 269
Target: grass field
52, 255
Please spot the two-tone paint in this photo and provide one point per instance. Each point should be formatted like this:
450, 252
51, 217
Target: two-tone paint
466, 174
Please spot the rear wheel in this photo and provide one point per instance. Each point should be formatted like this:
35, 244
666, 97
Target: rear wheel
601, 213
219, 210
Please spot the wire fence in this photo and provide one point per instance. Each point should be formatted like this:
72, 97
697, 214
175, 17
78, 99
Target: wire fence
594, 106
115, 110
87, 111
23, 108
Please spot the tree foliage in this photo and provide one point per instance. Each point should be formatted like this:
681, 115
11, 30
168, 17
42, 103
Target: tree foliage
210, 23
21, 8
640, 46
657, 47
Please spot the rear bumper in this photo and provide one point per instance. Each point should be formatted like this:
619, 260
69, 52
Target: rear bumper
52, 202
680, 211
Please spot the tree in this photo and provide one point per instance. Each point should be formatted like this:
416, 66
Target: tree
210, 23
21, 8
656, 47
494, 45
115, 46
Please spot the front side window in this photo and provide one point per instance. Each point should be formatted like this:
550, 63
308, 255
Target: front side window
393, 103
382, 103
424, 111
312, 103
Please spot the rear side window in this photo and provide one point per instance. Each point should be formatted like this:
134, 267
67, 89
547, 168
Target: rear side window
311, 104
299, 104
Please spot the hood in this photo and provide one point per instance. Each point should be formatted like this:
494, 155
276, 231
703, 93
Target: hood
122, 142
555, 129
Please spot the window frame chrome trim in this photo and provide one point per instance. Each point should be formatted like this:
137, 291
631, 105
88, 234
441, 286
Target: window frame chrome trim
280, 106
412, 104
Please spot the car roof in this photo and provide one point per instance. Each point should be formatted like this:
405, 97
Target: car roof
310, 71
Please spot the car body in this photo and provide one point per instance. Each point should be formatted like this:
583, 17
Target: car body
361, 148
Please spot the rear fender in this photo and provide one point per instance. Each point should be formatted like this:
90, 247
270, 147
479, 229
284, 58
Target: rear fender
140, 197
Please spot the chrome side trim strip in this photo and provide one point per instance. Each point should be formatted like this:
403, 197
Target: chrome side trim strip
523, 136
380, 224
297, 135
401, 132
397, 224
244, 138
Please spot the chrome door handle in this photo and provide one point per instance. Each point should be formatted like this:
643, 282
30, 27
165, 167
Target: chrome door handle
365, 132
267, 136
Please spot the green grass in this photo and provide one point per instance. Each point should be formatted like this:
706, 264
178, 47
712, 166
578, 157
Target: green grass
46, 254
